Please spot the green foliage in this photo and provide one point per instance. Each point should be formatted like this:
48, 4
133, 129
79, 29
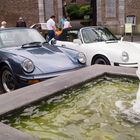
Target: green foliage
84, 10
76, 11
73, 11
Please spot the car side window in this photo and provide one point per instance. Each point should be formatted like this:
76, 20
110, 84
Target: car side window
43, 26
89, 35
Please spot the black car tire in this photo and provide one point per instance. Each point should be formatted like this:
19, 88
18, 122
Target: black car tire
100, 60
7, 79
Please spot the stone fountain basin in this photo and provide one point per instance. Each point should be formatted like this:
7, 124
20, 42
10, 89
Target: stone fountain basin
18, 99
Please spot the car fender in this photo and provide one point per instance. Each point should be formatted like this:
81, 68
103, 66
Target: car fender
9, 60
6, 63
100, 53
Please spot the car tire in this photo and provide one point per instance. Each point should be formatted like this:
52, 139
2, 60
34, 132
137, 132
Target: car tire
100, 60
8, 82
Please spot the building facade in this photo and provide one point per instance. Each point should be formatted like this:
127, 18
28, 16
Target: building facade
116, 13
33, 11
77, 1
111, 13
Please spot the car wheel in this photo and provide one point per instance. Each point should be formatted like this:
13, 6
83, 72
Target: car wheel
8, 81
100, 60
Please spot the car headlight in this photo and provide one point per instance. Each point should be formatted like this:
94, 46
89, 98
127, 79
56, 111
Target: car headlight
81, 58
28, 65
125, 56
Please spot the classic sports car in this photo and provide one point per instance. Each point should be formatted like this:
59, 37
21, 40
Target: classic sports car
25, 58
102, 47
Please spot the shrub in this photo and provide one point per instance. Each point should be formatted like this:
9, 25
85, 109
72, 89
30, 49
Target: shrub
84, 10
76, 11
73, 11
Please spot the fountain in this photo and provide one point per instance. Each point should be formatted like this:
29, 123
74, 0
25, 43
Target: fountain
88, 118
131, 114
136, 105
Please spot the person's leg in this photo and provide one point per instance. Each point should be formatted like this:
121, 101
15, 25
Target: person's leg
51, 34
64, 35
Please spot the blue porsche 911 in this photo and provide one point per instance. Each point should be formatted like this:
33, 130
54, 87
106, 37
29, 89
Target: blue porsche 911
25, 58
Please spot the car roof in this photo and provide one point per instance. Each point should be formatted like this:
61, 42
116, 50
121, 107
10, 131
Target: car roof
41, 23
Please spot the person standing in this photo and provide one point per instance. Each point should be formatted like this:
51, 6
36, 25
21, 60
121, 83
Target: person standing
3, 24
62, 20
51, 27
67, 26
21, 22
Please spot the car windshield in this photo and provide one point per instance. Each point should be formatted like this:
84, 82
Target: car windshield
91, 35
18, 37
44, 26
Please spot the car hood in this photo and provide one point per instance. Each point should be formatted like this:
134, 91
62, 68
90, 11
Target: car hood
46, 59
129, 47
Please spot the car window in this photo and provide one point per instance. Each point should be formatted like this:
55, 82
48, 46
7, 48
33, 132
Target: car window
105, 34
89, 35
44, 26
34, 26
18, 37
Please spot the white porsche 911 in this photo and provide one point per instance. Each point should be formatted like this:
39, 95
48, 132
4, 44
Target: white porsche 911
102, 47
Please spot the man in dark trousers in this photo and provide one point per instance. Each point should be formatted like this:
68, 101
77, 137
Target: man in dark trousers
51, 27
20, 22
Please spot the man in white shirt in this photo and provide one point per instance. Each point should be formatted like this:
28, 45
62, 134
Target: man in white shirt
51, 27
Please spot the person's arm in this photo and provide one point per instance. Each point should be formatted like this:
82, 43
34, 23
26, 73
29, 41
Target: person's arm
69, 26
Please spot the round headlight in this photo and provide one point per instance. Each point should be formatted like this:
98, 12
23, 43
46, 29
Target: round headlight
81, 58
125, 56
28, 65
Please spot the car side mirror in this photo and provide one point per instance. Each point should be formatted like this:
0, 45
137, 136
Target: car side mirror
77, 41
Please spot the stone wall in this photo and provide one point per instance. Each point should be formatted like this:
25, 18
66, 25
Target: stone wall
113, 14
108, 14
33, 11
12, 9
132, 7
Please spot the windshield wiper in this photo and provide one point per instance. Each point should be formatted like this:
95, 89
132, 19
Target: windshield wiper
45, 42
32, 44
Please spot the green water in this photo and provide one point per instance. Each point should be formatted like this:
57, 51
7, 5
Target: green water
85, 113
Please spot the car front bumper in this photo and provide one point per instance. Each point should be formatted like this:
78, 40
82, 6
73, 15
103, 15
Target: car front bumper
130, 65
28, 80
